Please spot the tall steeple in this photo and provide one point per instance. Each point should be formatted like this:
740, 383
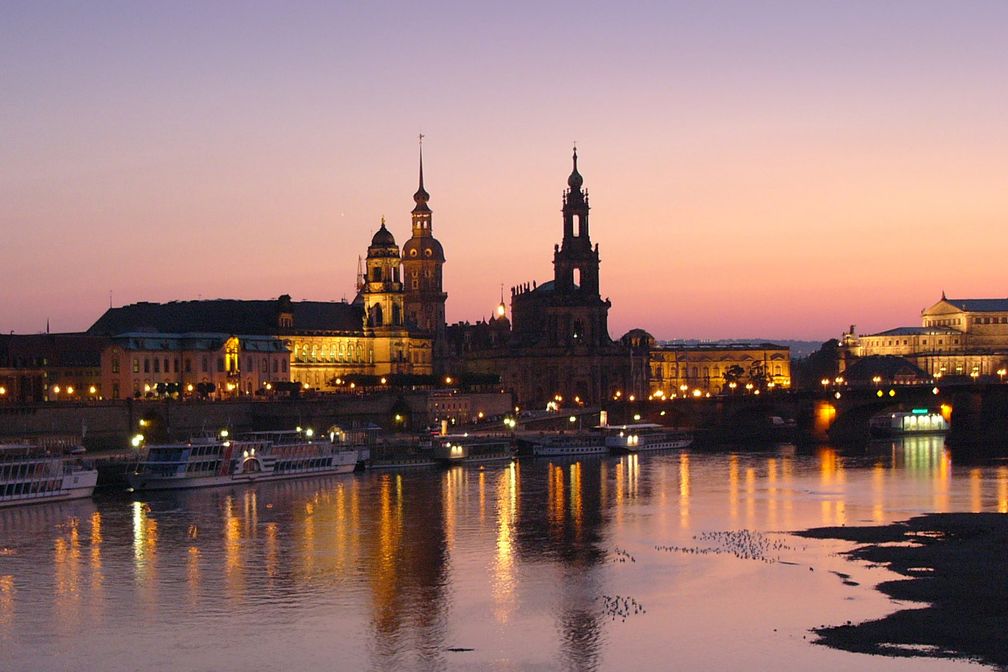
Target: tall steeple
422, 259
421, 214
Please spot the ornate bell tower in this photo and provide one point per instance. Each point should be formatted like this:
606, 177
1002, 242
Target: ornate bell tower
422, 259
382, 288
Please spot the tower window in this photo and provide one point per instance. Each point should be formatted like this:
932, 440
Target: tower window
577, 277
376, 274
412, 253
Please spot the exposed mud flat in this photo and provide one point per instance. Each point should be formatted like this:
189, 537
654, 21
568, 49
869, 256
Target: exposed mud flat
956, 564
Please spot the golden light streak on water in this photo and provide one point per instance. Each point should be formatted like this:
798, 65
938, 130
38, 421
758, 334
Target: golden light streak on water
97, 600
772, 493
878, 492
481, 486
976, 489
684, 490
733, 488
750, 480
787, 473
555, 500
942, 479
193, 575
576, 510
272, 551
503, 580
233, 560
6, 600
1002, 489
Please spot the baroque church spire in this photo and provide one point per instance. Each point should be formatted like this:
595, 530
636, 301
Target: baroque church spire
421, 196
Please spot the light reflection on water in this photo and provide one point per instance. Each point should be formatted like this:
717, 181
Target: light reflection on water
393, 570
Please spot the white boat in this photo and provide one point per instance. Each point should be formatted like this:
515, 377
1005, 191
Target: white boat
567, 443
904, 423
470, 448
31, 474
257, 456
645, 436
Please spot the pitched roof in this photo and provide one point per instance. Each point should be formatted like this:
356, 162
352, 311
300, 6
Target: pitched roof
916, 331
228, 316
980, 305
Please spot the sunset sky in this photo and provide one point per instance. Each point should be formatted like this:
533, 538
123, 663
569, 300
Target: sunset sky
756, 169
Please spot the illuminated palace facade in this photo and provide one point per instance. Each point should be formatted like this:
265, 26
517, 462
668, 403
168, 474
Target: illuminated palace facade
957, 337
394, 325
557, 341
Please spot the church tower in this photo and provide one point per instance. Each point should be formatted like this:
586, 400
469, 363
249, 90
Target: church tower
382, 288
579, 316
575, 262
422, 259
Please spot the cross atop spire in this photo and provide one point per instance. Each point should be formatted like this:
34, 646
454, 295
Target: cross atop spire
421, 196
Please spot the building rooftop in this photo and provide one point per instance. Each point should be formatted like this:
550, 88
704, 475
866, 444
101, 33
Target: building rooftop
915, 331
980, 305
227, 316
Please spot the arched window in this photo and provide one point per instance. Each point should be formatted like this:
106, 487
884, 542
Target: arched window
376, 315
577, 277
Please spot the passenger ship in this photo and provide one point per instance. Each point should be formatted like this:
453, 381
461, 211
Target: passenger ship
30, 474
257, 456
645, 436
566, 444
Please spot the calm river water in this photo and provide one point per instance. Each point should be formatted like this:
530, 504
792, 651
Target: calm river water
512, 567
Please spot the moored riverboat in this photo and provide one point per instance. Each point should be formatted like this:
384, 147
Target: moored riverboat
31, 474
907, 423
472, 448
645, 437
564, 444
257, 456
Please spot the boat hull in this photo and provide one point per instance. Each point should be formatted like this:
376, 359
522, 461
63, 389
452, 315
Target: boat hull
151, 482
76, 485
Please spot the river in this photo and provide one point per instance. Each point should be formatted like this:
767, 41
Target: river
666, 561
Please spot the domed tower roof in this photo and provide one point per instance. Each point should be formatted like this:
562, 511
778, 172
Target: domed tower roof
575, 181
423, 248
383, 244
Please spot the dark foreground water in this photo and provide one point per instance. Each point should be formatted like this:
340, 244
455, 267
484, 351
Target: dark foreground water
666, 561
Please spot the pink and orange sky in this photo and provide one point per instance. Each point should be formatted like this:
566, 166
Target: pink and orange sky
775, 170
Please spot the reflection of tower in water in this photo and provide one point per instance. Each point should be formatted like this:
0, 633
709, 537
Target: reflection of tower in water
408, 569
568, 531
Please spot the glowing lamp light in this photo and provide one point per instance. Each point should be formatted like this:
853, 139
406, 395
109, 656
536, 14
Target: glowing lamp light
636, 417
837, 395
69, 389
224, 433
3, 390
309, 432
934, 390
633, 397
137, 440
572, 419
92, 390
448, 380
56, 389
697, 393
383, 381
892, 393
189, 387
880, 393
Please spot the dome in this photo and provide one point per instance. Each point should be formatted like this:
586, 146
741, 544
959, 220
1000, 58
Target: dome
383, 237
423, 248
575, 180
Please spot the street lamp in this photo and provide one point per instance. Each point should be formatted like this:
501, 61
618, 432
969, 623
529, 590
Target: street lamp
1001, 374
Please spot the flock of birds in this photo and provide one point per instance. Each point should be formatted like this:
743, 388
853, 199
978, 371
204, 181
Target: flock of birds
743, 544
622, 606
622, 555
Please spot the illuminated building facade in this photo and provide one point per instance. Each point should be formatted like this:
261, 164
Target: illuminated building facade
677, 369
957, 337
142, 364
50, 367
557, 342
391, 327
